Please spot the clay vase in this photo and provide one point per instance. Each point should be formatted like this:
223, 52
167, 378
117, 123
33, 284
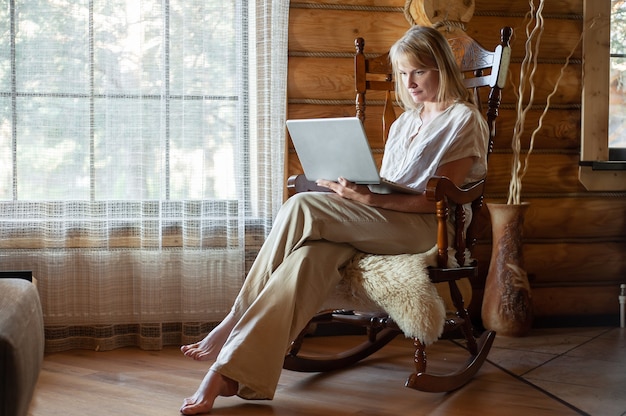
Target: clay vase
507, 306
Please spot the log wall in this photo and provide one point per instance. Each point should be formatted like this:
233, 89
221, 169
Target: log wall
575, 240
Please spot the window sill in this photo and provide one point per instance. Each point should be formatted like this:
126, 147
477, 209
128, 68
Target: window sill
605, 164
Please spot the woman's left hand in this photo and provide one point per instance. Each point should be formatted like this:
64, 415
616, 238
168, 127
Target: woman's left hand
394, 201
347, 189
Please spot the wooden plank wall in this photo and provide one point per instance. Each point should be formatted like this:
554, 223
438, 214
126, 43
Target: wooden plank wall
574, 239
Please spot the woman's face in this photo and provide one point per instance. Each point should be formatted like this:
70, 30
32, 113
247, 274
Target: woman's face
421, 81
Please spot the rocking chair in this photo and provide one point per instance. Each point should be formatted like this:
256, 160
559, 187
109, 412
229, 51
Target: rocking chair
484, 70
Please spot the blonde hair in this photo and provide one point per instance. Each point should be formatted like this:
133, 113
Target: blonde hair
424, 46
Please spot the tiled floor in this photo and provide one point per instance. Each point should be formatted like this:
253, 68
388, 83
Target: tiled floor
582, 367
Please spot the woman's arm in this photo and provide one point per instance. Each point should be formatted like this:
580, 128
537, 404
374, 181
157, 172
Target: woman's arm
456, 171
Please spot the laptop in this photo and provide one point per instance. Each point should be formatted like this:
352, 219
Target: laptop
329, 148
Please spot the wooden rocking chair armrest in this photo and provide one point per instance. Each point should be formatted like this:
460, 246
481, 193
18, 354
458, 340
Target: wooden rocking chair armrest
299, 183
441, 188
438, 188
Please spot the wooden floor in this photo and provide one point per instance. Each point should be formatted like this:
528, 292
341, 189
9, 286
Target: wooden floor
135, 382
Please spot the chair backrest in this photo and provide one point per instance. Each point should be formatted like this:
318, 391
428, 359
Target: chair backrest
484, 73
482, 69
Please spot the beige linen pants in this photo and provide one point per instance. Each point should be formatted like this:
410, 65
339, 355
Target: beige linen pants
300, 263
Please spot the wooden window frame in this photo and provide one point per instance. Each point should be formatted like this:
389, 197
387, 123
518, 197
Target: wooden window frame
596, 172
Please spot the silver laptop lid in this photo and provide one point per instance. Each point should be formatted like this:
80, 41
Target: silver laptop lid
329, 148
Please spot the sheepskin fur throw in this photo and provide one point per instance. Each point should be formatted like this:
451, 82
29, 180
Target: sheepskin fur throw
399, 286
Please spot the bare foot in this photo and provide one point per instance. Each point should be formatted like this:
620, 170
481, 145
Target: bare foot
212, 344
213, 385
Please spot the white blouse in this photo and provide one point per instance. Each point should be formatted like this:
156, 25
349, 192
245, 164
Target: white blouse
412, 154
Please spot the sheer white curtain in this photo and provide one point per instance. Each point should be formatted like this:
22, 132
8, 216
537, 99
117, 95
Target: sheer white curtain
141, 160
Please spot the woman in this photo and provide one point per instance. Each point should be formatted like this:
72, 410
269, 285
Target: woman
440, 133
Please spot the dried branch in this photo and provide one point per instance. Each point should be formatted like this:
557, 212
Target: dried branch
527, 75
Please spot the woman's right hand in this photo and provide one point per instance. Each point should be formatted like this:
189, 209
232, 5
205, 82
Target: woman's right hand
346, 189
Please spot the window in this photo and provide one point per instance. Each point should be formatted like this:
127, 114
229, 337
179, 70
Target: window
122, 100
617, 82
141, 154
603, 163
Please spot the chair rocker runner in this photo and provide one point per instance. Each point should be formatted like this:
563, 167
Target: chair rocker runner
484, 70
